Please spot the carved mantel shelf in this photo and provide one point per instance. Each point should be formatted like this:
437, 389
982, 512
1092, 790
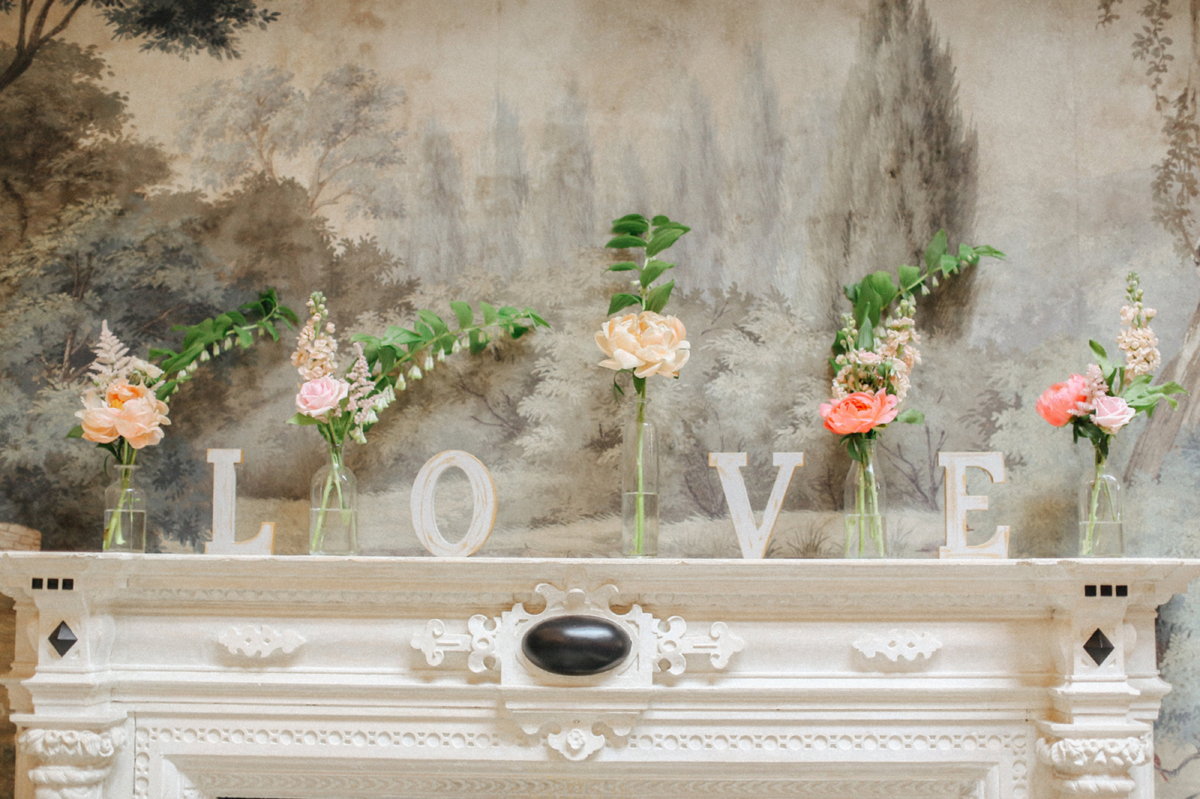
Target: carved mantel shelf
177, 677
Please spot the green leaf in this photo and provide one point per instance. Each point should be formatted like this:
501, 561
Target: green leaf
628, 217
166, 389
244, 338
881, 283
489, 314
671, 226
935, 250
270, 328
623, 266
948, 264
662, 239
302, 420
626, 242
910, 278
620, 301
639, 385
1098, 349
654, 268
910, 416
157, 354
656, 300
659, 220
400, 336
477, 341
434, 321
989, 252
75, 432
466, 316
632, 227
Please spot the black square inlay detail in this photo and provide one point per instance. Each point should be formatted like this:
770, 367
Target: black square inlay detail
52, 584
1122, 590
62, 639
36, 582
1099, 647
1106, 590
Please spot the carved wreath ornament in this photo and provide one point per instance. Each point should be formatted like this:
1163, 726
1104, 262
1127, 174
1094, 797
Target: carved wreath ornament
494, 645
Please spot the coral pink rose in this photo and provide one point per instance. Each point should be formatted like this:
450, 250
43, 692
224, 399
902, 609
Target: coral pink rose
648, 343
140, 420
1111, 414
860, 412
1060, 403
319, 397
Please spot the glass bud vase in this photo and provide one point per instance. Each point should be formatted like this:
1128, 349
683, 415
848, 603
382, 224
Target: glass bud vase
639, 485
866, 506
333, 512
1100, 529
124, 513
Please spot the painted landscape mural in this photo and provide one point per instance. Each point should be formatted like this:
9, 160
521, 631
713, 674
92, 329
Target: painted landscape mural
158, 169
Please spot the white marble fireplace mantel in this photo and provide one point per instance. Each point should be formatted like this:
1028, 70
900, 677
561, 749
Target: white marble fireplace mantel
347, 678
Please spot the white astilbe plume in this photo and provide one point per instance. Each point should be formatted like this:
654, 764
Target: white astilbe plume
316, 348
113, 361
359, 401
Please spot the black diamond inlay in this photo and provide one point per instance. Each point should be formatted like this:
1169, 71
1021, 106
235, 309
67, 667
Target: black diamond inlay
1099, 647
576, 646
62, 639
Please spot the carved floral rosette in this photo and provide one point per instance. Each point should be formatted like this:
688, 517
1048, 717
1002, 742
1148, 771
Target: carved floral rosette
1095, 766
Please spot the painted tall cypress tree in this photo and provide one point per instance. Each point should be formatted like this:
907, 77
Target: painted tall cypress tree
903, 166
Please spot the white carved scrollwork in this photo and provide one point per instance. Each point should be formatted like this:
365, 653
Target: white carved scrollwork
260, 641
674, 644
480, 641
897, 644
1095, 766
495, 644
71, 764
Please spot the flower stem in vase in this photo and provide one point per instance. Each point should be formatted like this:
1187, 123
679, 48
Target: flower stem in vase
639, 498
330, 533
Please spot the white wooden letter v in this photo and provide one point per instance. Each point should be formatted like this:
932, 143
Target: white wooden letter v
728, 465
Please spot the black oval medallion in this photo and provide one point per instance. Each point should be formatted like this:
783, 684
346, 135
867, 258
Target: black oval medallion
576, 646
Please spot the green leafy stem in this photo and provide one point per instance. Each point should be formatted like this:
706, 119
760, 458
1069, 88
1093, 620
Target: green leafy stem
653, 236
387, 355
220, 334
872, 296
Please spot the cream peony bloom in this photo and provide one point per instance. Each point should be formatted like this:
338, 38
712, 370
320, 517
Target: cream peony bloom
647, 343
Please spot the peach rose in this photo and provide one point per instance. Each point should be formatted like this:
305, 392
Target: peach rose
140, 420
1111, 414
1060, 403
648, 343
859, 412
120, 391
319, 397
97, 419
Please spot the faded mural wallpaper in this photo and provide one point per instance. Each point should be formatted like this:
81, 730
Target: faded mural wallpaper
398, 155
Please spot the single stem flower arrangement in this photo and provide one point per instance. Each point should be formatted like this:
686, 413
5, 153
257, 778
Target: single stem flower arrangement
642, 343
126, 408
1099, 403
344, 404
873, 356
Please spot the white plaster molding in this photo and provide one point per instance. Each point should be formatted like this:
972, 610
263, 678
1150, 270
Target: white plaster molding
70, 764
674, 645
576, 742
260, 641
897, 644
1095, 766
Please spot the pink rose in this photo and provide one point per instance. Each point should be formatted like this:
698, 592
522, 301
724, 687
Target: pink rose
1111, 414
319, 397
648, 343
859, 412
1059, 403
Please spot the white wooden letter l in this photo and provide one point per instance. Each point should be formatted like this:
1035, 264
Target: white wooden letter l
224, 504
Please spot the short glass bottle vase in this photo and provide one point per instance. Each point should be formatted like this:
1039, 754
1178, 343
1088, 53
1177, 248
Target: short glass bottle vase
1100, 525
865, 506
333, 510
124, 513
639, 484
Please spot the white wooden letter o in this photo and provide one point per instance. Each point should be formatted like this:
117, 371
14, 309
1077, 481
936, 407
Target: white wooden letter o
483, 495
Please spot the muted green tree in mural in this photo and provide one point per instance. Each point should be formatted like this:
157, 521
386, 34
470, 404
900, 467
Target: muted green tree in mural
903, 164
164, 25
339, 140
62, 141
